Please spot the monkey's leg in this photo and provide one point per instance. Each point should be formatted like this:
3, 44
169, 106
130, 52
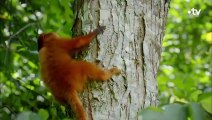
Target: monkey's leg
96, 73
76, 104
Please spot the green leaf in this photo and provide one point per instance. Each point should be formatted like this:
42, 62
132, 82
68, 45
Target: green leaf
196, 112
168, 112
152, 113
192, 111
43, 114
28, 115
205, 101
177, 110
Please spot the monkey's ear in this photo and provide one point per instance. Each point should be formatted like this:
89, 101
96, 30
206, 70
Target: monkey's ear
40, 41
46, 37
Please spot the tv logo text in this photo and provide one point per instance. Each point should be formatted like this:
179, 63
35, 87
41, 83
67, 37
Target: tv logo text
194, 11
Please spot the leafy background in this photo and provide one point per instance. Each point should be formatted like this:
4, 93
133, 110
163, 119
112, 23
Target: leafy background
184, 77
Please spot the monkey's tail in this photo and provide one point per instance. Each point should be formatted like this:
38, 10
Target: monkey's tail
76, 104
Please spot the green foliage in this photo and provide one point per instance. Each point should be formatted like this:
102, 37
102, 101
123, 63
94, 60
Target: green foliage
58, 15
22, 95
185, 68
192, 111
185, 71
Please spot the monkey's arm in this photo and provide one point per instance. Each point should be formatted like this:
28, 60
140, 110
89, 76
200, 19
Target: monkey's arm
78, 43
94, 72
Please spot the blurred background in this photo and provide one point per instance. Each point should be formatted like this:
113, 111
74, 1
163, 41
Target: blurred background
184, 78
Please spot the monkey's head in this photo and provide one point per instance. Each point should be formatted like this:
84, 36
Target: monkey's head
44, 37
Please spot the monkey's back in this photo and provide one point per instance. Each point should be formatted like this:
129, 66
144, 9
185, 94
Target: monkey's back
56, 71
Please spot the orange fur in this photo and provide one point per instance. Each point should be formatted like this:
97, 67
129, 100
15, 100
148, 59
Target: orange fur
64, 75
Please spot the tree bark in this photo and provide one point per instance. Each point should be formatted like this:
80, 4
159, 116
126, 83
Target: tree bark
132, 41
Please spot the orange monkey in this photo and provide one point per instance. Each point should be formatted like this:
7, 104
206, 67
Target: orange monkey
65, 76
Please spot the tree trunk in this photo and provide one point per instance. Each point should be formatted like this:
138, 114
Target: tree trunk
132, 41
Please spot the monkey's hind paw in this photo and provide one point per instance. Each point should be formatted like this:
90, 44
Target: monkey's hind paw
115, 71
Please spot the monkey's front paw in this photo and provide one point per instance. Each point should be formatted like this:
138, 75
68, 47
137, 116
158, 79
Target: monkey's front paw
100, 29
115, 71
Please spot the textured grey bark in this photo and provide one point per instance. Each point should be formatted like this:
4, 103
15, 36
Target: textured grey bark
132, 42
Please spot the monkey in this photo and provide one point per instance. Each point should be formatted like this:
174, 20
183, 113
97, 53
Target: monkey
66, 76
